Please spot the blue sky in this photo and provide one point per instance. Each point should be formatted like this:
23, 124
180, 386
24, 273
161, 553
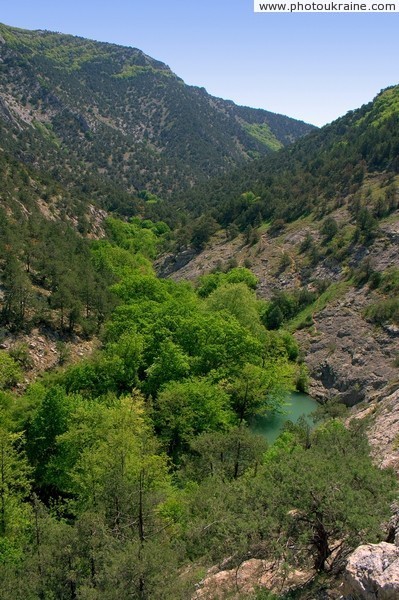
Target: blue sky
313, 67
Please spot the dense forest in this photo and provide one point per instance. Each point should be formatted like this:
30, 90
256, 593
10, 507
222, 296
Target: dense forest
130, 472
320, 172
127, 473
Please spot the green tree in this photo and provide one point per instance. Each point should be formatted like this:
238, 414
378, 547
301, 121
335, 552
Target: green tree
284, 263
118, 472
224, 454
65, 299
242, 275
15, 481
170, 364
366, 226
48, 422
18, 295
129, 349
328, 494
187, 408
203, 228
257, 390
10, 372
329, 229
274, 317
239, 301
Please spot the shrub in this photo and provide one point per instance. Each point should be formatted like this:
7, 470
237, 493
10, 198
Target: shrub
385, 311
10, 372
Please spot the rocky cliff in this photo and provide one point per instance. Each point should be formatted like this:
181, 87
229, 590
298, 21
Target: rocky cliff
372, 573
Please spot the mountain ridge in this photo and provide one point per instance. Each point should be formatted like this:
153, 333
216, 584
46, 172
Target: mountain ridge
142, 128
317, 170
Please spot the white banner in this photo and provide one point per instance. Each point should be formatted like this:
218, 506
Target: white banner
325, 7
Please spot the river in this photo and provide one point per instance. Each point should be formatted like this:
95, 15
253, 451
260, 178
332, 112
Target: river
297, 404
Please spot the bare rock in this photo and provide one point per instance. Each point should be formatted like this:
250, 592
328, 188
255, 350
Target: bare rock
349, 357
5, 112
392, 329
171, 263
244, 579
372, 572
383, 433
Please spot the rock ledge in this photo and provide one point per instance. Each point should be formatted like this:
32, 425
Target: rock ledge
372, 573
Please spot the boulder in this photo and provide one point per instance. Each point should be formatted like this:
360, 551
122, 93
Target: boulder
372, 573
244, 579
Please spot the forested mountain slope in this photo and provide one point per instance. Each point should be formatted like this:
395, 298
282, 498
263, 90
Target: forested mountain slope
315, 174
91, 112
132, 470
319, 226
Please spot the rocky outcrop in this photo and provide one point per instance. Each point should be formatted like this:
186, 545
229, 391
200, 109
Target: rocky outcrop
243, 580
5, 112
372, 573
383, 431
44, 350
169, 264
346, 355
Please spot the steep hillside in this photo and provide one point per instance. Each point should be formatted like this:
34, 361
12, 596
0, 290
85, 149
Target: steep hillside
315, 174
94, 113
320, 226
47, 279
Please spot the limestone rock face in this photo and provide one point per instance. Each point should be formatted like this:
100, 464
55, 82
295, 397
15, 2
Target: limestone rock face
372, 572
384, 432
242, 581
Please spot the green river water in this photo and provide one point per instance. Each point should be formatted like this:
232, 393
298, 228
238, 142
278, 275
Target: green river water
297, 404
